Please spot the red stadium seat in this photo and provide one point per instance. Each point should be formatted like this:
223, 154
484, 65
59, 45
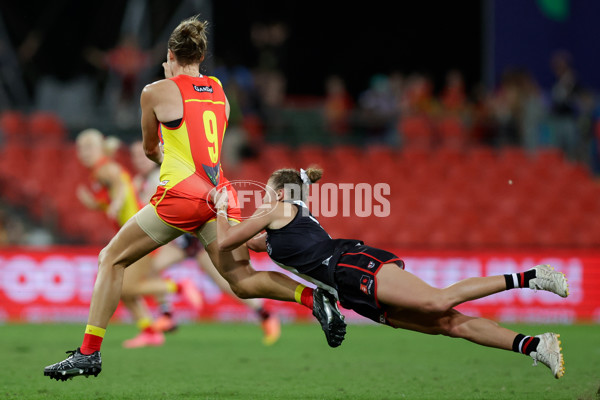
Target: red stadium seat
483, 236
307, 155
46, 127
549, 156
414, 157
277, 156
587, 234
13, 126
380, 161
452, 132
416, 132
514, 156
448, 156
479, 159
345, 154
14, 167
253, 170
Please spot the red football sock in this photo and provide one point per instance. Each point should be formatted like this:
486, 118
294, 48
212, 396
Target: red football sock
304, 296
149, 329
92, 339
145, 325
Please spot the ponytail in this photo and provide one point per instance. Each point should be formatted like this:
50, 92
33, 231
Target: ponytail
289, 179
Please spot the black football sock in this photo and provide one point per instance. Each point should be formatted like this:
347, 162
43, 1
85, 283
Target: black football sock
519, 280
525, 344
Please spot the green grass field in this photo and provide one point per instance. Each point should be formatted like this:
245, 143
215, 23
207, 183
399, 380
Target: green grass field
228, 361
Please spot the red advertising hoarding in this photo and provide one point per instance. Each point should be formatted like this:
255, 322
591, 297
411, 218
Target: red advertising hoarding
56, 284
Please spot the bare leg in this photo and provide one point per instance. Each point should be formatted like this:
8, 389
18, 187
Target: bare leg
247, 283
413, 304
454, 324
399, 288
129, 245
206, 264
171, 254
134, 277
137, 306
148, 280
168, 255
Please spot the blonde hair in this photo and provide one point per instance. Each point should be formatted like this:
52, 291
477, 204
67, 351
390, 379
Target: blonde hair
91, 134
111, 145
188, 41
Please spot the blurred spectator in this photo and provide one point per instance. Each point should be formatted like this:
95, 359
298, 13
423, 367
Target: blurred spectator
533, 111
563, 107
126, 61
589, 112
418, 96
243, 136
453, 97
378, 109
271, 87
595, 148
269, 41
338, 106
12, 229
506, 106
482, 119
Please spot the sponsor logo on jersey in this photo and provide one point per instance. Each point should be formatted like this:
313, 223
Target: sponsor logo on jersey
371, 264
366, 284
269, 248
163, 183
202, 89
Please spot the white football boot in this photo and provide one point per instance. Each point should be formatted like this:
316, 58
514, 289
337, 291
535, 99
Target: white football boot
546, 278
548, 352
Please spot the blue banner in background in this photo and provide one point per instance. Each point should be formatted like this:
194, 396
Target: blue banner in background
527, 33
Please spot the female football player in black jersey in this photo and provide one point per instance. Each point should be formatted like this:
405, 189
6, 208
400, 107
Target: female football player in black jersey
372, 281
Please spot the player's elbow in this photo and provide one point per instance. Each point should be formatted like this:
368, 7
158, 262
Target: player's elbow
151, 152
224, 246
252, 246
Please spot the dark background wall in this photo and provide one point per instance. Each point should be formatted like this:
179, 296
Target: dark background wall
527, 33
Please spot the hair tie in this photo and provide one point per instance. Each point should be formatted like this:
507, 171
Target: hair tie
304, 176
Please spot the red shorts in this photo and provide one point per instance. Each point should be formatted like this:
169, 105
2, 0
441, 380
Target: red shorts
189, 210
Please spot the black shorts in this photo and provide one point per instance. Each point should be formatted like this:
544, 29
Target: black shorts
356, 281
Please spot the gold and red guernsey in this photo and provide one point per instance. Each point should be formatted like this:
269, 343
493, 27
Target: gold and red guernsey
193, 149
191, 165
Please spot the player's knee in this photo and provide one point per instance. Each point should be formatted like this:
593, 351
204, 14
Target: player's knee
237, 285
103, 258
449, 324
436, 304
446, 326
107, 259
241, 290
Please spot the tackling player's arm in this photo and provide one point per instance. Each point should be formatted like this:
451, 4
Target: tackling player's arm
258, 243
231, 237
